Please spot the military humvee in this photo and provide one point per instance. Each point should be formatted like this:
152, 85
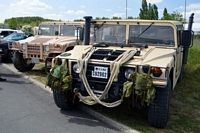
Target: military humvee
117, 58
52, 39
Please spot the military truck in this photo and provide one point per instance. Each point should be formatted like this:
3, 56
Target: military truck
52, 39
137, 61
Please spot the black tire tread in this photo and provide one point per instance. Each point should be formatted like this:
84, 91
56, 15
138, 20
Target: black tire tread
158, 111
19, 64
64, 100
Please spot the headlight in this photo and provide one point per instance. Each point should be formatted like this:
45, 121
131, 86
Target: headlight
47, 48
128, 72
75, 68
23, 46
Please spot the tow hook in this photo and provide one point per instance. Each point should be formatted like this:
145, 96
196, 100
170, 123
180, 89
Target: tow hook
76, 90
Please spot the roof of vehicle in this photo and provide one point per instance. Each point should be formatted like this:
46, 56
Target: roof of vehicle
18, 31
63, 23
137, 21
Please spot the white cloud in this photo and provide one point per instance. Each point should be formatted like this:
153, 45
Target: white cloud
74, 12
23, 8
54, 16
192, 8
118, 14
154, 1
34, 5
108, 10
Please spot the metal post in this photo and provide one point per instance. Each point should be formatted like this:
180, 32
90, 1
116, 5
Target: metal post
126, 9
185, 15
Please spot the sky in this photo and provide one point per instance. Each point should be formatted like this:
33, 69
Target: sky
69, 10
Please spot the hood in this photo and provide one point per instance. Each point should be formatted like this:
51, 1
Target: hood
4, 43
151, 55
49, 39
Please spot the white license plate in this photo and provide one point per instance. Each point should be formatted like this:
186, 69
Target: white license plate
100, 72
35, 60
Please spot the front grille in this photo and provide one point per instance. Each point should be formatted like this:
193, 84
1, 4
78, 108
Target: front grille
33, 48
108, 54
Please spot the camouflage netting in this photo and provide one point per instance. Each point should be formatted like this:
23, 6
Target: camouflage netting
141, 85
59, 78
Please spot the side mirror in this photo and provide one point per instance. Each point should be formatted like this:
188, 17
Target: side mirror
186, 38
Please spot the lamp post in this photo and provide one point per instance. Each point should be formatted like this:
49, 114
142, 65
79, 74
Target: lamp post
185, 15
126, 9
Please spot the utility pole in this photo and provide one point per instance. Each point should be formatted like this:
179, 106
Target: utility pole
126, 9
185, 15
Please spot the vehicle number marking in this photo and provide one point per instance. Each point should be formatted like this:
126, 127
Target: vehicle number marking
100, 72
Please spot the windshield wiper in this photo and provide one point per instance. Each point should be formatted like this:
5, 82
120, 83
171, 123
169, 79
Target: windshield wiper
105, 44
145, 29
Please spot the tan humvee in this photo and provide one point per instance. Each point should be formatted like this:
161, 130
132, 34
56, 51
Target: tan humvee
52, 39
155, 50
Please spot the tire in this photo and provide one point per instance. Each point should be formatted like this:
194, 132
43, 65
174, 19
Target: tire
158, 111
10, 56
20, 63
180, 76
64, 100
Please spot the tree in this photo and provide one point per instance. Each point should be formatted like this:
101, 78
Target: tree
176, 16
166, 15
148, 12
130, 17
116, 17
143, 10
155, 12
12, 23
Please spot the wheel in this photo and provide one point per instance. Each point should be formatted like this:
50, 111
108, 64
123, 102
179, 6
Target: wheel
20, 63
180, 76
158, 111
10, 56
64, 100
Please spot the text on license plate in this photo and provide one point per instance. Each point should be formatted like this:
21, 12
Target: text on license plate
100, 72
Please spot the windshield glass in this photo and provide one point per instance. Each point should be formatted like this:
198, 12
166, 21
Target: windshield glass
68, 30
108, 33
15, 36
50, 30
154, 35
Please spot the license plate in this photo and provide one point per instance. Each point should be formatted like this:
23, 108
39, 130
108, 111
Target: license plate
35, 60
100, 72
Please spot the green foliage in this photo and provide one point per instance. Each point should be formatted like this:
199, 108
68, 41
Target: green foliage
116, 17
143, 10
130, 17
27, 29
32, 21
78, 20
176, 16
148, 12
12, 23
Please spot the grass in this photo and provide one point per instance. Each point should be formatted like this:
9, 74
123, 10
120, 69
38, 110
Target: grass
184, 114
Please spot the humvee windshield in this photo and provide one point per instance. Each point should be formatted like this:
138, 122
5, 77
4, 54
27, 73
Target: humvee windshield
151, 35
50, 30
108, 33
68, 30
53, 30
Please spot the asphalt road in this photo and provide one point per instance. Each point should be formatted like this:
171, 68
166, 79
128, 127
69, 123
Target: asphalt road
26, 108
